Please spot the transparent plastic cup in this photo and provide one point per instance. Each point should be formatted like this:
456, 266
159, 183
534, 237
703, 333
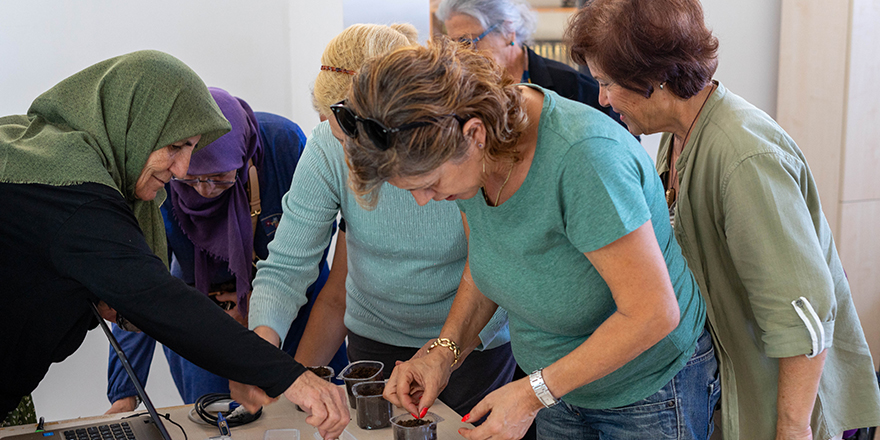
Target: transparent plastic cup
324, 372
360, 371
281, 434
373, 411
404, 429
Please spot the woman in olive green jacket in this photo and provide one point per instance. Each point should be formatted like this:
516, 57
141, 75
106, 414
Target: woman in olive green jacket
793, 358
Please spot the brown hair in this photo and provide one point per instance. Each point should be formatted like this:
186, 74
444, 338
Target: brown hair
349, 50
428, 84
640, 43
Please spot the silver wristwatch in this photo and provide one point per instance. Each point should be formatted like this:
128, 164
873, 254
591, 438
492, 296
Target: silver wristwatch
544, 394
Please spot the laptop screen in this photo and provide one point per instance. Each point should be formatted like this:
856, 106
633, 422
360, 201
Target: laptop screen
130, 371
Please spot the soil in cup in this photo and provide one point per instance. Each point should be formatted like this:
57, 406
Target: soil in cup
362, 372
373, 411
414, 422
322, 372
359, 373
417, 429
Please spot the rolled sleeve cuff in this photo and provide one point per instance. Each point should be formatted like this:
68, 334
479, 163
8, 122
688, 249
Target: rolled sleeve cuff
795, 341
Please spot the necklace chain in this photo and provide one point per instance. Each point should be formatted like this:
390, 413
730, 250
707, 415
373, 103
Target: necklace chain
712, 89
671, 193
497, 196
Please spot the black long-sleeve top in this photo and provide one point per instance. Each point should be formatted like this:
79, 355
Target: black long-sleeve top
63, 247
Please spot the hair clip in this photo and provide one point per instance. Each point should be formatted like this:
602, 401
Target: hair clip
338, 69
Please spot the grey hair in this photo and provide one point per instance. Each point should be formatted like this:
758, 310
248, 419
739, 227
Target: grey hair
515, 15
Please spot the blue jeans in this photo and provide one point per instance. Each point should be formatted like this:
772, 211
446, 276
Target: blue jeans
681, 410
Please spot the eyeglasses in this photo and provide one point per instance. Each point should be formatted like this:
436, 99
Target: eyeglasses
473, 41
378, 133
212, 182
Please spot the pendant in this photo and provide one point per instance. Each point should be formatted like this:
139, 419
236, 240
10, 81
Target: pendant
670, 197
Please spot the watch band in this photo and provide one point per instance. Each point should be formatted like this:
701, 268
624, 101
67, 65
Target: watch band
536, 379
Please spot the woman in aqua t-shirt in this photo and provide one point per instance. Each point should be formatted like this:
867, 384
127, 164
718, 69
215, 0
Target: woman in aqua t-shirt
396, 267
570, 235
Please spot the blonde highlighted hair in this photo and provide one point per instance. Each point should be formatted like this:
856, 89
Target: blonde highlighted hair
349, 50
444, 84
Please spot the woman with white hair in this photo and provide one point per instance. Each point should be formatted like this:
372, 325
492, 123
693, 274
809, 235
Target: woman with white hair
504, 29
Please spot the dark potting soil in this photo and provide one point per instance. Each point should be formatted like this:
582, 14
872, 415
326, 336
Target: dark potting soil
362, 372
320, 371
373, 389
415, 429
414, 422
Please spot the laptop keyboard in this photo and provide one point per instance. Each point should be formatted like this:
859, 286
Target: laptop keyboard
112, 431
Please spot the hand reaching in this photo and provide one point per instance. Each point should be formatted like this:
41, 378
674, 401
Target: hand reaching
416, 383
252, 398
125, 404
511, 410
326, 404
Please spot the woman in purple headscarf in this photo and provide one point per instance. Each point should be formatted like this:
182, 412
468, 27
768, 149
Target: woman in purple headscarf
213, 243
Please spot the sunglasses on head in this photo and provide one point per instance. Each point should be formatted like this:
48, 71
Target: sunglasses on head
378, 133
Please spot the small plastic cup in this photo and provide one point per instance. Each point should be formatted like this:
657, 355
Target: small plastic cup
407, 427
373, 411
360, 371
281, 434
324, 372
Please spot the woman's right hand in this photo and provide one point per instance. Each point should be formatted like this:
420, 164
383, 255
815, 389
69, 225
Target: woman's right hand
125, 404
416, 383
326, 404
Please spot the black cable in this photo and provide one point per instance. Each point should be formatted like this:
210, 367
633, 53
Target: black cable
238, 419
164, 416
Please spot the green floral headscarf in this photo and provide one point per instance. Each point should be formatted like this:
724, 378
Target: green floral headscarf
101, 124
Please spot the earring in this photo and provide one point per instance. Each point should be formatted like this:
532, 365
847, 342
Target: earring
662, 84
480, 146
511, 43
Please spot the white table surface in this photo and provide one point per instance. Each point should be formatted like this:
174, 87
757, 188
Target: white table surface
279, 415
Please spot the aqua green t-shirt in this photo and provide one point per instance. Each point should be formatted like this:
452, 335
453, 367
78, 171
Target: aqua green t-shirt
590, 183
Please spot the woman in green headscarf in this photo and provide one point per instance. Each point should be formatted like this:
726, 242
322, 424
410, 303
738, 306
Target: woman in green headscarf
81, 178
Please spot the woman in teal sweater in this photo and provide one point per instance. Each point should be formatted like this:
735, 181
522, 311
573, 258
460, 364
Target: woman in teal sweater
396, 268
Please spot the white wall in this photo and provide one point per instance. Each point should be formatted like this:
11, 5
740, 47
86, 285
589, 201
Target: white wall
748, 33
268, 55
415, 12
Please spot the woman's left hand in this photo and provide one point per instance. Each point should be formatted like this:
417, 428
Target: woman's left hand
511, 410
252, 398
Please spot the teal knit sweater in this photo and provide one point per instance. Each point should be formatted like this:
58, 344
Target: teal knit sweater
404, 261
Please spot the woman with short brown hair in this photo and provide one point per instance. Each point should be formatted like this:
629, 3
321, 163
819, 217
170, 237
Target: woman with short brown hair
396, 268
570, 235
794, 361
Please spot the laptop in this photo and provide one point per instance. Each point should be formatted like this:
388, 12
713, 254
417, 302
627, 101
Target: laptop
135, 428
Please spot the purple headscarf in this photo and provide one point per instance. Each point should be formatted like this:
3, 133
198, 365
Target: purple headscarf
220, 228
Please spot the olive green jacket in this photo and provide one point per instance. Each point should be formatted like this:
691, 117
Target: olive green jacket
751, 227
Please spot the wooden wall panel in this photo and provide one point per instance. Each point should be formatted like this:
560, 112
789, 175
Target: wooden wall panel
812, 89
859, 247
862, 153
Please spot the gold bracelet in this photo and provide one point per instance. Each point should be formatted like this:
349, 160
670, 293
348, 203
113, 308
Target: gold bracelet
445, 342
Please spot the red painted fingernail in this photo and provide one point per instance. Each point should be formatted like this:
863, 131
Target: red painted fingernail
414, 416
424, 411
466, 418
